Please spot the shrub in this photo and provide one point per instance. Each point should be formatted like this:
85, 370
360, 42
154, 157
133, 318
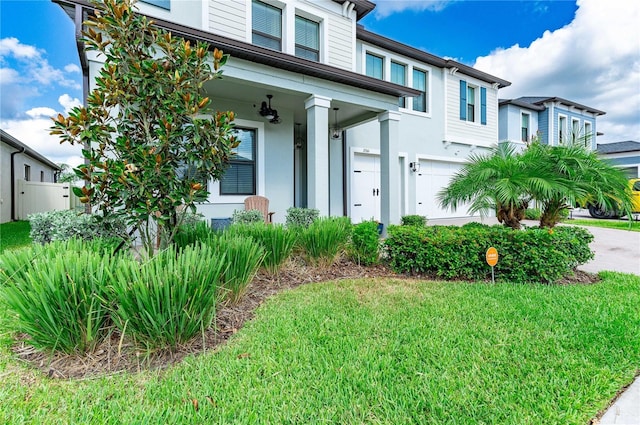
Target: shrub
301, 217
190, 234
243, 258
414, 220
365, 243
276, 240
532, 214
66, 224
59, 293
325, 239
531, 255
168, 299
247, 217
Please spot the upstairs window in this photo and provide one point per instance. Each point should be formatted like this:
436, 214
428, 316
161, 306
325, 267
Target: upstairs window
469, 105
165, 4
240, 177
575, 130
266, 25
399, 76
525, 128
374, 66
588, 134
420, 83
41, 176
562, 128
307, 39
27, 172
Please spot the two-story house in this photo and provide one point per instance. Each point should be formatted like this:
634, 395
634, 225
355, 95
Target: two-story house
553, 120
330, 116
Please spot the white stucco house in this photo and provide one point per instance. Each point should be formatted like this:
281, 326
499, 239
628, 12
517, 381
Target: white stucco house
366, 127
20, 163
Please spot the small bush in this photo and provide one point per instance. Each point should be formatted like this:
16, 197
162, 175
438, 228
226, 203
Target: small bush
59, 293
66, 224
243, 259
450, 252
190, 218
325, 239
301, 217
190, 234
532, 214
276, 240
169, 299
247, 217
365, 243
414, 220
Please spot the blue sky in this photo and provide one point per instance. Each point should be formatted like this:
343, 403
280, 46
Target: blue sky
587, 51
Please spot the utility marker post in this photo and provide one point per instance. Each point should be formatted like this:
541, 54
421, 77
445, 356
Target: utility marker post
492, 260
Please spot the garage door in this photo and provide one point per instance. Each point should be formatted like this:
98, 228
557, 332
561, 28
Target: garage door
432, 177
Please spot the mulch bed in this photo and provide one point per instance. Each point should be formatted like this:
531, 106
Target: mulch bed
116, 356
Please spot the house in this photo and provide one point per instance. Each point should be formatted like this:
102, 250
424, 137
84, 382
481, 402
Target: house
554, 120
330, 115
625, 155
20, 163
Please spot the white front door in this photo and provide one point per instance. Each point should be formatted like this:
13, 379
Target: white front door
433, 177
365, 188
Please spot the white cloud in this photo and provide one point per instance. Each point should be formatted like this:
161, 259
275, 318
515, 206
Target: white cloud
385, 8
68, 102
8, 76
72, 67
34, 133
12, 46
41, 112
593, 60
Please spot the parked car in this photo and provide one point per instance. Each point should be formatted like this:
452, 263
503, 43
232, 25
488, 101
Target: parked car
598, 211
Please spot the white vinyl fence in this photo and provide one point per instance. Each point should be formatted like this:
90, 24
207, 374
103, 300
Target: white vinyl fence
36, 197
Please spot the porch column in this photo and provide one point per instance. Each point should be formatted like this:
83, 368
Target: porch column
318, 153
389, 168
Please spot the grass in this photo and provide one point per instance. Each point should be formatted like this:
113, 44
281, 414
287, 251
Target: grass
378, 351
14, 234
609, 224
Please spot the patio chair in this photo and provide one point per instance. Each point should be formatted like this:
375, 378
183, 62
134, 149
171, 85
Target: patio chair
261, 204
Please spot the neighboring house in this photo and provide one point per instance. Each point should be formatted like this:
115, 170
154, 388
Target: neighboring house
365, 126
554, 120
19, 162
625, 155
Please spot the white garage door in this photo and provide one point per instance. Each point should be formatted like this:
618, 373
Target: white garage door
432, 177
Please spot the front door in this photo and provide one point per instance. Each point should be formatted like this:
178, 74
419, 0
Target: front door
365, 188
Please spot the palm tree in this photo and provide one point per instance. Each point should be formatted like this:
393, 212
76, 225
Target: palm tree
574, 174
498, 181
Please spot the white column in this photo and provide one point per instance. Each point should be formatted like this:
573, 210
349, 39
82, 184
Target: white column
318, 153
389, 168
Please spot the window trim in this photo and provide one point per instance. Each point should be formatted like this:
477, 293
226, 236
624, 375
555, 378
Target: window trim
575, 129
214, 193
27, 172
562, 129
366, 68
528, 115
588, 134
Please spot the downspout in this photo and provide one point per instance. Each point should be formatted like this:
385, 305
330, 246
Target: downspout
344, 173
13, 183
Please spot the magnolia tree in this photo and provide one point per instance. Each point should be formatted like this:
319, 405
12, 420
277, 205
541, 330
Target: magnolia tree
148, 150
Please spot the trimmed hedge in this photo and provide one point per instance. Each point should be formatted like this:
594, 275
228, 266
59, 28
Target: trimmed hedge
451, 252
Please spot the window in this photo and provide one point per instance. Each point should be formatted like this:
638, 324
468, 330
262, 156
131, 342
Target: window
468, 103
587, 134
266, 26
307, 39
575, 130
374, 66
562, 126
525, 128
420, 83
399, 76
165, 4
240, 177
41, 176
27, 172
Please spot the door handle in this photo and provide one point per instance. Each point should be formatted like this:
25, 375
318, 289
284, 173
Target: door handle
374, 192
377, 192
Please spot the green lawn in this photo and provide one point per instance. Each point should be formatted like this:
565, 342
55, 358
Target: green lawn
376, 351
14, 234
610, 224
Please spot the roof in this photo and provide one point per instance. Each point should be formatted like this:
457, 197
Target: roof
242, 50
521, 104
17, 144
541, 100
619, 147
422, 56
362, 7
